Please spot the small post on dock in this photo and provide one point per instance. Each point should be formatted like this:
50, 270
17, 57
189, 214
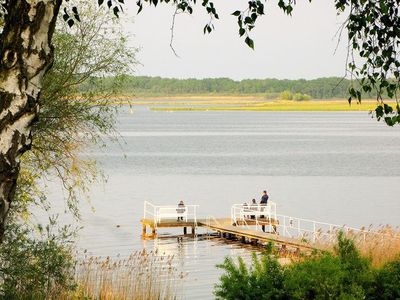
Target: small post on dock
193, 230
144, 232
153, 230
185, 230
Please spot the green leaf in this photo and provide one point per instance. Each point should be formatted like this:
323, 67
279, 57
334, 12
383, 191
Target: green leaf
249, 42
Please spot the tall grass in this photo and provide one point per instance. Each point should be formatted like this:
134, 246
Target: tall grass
380, 246
143, 275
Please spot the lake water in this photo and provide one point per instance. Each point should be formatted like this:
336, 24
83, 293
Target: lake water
341, 168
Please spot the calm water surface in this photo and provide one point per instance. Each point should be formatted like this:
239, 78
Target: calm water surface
341, 168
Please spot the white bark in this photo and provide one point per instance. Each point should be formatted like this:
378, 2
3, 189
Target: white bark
26, 54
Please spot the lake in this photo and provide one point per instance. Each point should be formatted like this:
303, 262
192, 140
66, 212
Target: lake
341, 168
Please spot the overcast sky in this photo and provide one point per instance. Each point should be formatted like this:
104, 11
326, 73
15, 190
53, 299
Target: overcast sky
301, 46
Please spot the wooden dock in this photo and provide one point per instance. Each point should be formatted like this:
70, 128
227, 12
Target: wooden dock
225, 229
256, 224
168, 223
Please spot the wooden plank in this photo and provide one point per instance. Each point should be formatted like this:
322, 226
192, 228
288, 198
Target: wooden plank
261, 236
225, 226
168, 223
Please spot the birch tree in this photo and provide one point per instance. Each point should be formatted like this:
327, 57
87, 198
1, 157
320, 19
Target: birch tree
26, 54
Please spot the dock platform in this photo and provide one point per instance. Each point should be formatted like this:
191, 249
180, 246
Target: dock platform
256, 224
225, 229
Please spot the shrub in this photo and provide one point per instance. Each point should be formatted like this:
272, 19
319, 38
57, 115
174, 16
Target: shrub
286, 95
35, 267
263, 280
344, 274
387, 282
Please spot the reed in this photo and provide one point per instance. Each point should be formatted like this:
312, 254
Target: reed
143, 275
380, 246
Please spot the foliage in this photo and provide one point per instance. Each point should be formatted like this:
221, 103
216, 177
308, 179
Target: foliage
96, 46
287, 95
374, 36
36, 262
387, 283
322, 88
264, 280
344, 274
36, 265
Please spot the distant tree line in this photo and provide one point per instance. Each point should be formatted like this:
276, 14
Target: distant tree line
321, 88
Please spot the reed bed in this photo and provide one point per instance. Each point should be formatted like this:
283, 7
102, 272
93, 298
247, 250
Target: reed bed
381, 245
143, 275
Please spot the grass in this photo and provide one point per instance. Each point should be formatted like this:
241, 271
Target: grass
143, 275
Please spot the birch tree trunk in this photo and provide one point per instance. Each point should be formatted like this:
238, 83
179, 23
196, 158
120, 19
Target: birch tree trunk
26, 54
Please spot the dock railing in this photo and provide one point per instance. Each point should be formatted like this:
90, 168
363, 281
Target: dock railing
306, 230
312, 231
159, 213
253, 212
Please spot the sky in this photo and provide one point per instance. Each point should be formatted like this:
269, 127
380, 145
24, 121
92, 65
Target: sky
301, 46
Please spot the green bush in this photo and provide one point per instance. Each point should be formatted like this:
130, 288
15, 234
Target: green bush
35, 264
263, 280
340, 275
387, 282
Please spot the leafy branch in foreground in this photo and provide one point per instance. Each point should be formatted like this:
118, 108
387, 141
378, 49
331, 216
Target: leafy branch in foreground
374, 36
96, 46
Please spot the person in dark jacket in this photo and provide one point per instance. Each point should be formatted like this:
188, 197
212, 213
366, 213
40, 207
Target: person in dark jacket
264, 201
264, 198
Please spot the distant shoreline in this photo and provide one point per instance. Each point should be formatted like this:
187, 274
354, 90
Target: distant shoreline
238, 103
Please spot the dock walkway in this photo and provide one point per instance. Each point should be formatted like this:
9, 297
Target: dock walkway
256, 224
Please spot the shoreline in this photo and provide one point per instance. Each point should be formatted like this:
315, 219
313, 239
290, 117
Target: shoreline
238, 103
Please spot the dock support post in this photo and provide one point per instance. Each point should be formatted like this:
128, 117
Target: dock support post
263, 228
144, 231
184, 230
153, 230
193, 231
243, 239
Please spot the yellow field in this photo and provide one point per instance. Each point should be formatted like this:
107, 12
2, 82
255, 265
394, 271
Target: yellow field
278, 105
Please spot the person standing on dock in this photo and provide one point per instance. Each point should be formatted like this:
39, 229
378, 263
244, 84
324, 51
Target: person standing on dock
264, 201
254, 206
181, 209
264, 198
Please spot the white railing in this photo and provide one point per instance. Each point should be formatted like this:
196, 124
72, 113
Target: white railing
159, 213
255, 212
307, 230
324, 233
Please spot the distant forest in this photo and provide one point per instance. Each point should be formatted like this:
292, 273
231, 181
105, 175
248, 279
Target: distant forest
322, 88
